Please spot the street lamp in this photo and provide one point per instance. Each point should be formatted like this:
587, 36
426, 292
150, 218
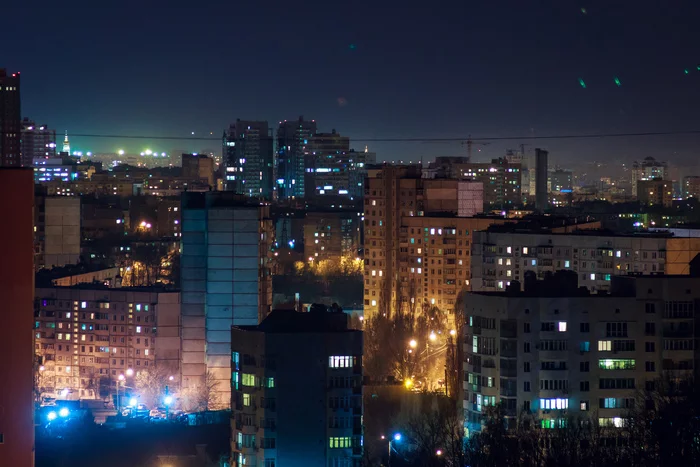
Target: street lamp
432, 336
397, 438
413, 343
120, 379
453, 332
438, 452
129, 372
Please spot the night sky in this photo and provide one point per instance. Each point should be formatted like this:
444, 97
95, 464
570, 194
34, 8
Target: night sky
368, 69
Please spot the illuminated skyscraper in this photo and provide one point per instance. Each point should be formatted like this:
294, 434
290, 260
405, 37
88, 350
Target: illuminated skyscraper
10, 120
248, 159
66, 144
292, 140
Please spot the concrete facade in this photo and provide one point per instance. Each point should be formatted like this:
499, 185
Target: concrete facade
61, 231
226, 280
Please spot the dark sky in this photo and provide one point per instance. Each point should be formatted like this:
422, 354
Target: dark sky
401, 69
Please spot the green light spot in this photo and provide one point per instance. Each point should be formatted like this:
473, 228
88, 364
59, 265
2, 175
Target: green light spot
617, 81
582, 83
583, 10
686, 71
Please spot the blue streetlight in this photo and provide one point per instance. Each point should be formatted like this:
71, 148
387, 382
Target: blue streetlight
168, 400
397, 438
51, 416
63, 412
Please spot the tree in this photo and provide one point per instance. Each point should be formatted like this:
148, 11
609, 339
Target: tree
151, 384
202, 396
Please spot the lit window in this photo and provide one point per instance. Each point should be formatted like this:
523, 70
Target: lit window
567, 263
248, 379
145, 352
374, 303
509, 249
138, 328
534, 262
593, 276
246, 400
525, 250
138, 307
374, 273
380, 273
562, 326
270, 382
83, 305
508, 273
604, 346
335, 361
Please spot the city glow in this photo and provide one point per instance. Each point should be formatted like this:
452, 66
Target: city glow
63, 412
148, 152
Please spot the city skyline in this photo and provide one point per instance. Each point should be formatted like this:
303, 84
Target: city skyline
387, 73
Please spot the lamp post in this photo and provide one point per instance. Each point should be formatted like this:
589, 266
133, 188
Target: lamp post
397, 438
120, 380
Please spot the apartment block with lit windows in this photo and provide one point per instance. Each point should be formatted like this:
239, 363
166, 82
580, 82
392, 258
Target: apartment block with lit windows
400, 212
296, 391
555, 350
504, 254
88, 335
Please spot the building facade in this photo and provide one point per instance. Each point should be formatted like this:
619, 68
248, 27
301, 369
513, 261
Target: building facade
541, 179
60, 230
500, 257
198, 167
248, 159
648, 169
555, 351
37, 141
86, 336
292, 140
269, 397
17, 292
332, 235
226, 280
655, 192
691, 187
10, 120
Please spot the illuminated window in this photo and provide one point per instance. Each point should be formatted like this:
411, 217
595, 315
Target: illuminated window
138, 328
270, 382
525, 250
338, 361
604, 346
83, 305
562, 326
246, 400
248, 379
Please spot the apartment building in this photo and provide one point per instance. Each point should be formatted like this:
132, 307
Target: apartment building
504, 254
555, 350
296, 391
332, 234
88, 335
411, 232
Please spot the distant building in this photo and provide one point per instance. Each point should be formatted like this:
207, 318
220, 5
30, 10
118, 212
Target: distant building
57, 168
226, 280
560, 181
691, 187
296, 366
541, 178
17, 368
248, 159
37, 141
292, 141
648, 169
66, 144
87, 335
656, 192
198, 167
10, 120
505, 254
555, 351
332, 235
500, 179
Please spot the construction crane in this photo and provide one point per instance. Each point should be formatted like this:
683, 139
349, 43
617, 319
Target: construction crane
469, 144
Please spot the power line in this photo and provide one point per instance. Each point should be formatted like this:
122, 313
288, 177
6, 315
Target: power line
422, 140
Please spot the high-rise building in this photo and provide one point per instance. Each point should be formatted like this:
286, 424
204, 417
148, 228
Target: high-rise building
656, 192
87, 335
415, 255
66, 144
648, 169
327, 165
560, 181
226, 280
292, 140
691, 187
17, 314
332, 235
248, 159
269, 398
541, 174
10, 120
38, 141
500, 179
503, 254
555, 351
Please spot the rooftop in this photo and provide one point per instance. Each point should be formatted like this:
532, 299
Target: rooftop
291, 321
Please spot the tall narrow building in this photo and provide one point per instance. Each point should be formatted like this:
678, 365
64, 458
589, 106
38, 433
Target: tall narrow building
10, 120
292, 140
226, 281
66, 144
17, 315
249, 160
541, 174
